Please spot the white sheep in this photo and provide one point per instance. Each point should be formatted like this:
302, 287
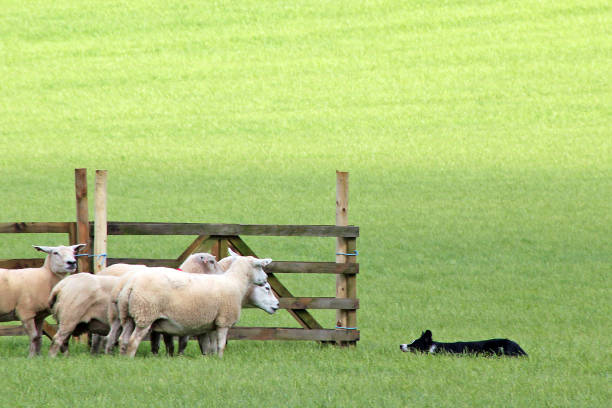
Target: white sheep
80, 303
197, 263
188, 304
223, 265
24, 293
202, 263
258, 296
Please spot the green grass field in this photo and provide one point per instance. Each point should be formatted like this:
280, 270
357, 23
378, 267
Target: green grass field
477, 136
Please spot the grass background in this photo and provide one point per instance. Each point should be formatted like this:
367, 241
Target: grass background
478, 139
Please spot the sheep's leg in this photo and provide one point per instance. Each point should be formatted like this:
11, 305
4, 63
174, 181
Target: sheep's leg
128, 328
64, 347
208, 342
30, 328
212, 343
103, 342
221, 338
96, 340
169, 343
211, 347
155, 340
60, 340
112, 336
183, 341
137, 336
38, 321
202, 342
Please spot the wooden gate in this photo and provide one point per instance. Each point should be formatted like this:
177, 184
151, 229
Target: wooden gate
216, 238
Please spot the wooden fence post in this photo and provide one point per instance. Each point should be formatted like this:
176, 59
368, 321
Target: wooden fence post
82, 226
100, 236
346, 285
82, 217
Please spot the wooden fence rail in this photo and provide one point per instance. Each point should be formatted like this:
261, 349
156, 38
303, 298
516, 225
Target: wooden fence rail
158, 228
36, 227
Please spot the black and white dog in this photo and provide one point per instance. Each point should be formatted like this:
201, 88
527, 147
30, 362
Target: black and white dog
425, 344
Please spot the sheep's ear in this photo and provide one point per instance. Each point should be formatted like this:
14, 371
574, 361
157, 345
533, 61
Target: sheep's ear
263, 262
232, 253
46, 249
76, 248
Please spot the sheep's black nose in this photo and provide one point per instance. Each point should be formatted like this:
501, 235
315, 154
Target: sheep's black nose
71, 263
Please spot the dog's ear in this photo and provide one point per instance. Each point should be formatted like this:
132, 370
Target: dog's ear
427, 334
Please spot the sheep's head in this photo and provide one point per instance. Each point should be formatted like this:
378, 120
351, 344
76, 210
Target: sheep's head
201, 262
210, 263
61, 260
263, 298
258, 276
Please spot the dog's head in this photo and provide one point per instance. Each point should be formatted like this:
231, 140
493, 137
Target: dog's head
423, 344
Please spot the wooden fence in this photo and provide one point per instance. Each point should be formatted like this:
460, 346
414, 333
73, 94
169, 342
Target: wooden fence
216, 238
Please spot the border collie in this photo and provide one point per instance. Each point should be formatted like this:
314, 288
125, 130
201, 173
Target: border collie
499, 347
